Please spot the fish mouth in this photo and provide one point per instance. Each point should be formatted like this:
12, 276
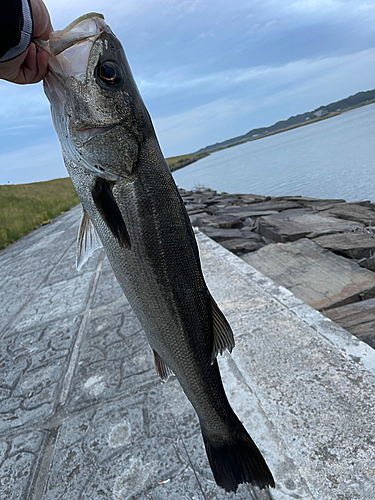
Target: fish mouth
85, 134
85, 27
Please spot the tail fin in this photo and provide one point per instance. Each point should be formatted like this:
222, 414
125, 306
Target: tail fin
237, 461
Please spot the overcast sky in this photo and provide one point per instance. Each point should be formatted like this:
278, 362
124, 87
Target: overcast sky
208, 70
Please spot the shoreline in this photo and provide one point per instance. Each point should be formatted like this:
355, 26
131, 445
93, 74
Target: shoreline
177, 162
323, 250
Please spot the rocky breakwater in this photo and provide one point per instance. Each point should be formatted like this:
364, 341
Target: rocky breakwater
322, 250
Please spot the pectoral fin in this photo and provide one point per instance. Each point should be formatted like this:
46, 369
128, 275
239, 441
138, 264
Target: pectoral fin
88, 241
223, 335
110, 212
162, 368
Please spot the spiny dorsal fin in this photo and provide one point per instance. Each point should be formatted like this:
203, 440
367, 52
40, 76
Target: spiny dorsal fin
162, 368
88, 241
223, 335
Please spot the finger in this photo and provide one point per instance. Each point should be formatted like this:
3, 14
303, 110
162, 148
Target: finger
48, 30
29, 68
42, 61
34, 68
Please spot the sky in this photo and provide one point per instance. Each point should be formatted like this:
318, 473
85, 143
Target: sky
208, 70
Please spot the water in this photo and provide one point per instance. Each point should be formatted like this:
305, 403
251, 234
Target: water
334, 158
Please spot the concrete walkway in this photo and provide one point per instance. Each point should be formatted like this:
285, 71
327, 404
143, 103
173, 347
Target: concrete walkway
83, 414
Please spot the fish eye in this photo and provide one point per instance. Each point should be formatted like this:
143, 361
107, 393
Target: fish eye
108, 73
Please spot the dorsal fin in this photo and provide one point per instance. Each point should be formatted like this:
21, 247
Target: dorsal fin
88, 240
162, 368
223, 335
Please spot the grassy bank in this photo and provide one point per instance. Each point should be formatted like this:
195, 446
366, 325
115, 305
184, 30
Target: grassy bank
176, 162
23, 207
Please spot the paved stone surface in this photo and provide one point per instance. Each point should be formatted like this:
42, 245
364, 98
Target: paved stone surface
83, 414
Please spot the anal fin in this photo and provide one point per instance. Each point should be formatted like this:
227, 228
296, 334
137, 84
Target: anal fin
223, 335
87, 242
162, 368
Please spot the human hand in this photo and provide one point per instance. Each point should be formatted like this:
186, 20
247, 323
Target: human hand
31, 66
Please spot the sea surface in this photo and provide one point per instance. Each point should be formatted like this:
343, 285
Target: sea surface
333, 158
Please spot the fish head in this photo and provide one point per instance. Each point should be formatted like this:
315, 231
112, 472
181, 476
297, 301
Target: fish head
97, 110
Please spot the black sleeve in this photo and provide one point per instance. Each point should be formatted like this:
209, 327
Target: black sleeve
16, 28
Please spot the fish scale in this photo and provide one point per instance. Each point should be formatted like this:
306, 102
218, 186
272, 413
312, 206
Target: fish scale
131, 206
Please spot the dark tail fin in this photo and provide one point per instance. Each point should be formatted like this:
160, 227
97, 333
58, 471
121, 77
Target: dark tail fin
238, 460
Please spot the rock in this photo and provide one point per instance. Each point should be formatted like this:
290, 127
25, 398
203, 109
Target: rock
197, 211
212, 208
244, 212
292, 225
220, 221
233, 200
315, 275
354, 245
194, 218
241, 246
193, 207
358, 319
261, 208
368, 263
246, 232
306, 202
353, 211
249, 222
221, 234
252, 198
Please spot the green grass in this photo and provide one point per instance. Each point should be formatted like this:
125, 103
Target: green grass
23, 207
176, 162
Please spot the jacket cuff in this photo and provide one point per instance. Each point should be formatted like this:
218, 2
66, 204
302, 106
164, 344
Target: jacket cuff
25, 35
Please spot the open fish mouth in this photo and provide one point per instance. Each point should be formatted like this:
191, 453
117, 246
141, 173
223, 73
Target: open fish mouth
71, 46
85, 27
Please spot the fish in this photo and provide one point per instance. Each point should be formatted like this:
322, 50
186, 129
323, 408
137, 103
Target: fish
132, 208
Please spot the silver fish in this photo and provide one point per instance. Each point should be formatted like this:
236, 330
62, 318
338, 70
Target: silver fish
132, 207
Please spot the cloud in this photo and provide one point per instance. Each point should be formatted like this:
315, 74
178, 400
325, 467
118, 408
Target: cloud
22, 102
178, 80
280, 92
32, 164
208, 69
64, 11
321, 6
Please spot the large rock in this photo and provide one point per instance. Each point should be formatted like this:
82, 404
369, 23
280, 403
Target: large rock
358, 319
362, 212
243, 212
315, 275
241, 246
194, 207
227, 234
307, 202
253, 198
266, 206
224, 221
292, 225
354, 245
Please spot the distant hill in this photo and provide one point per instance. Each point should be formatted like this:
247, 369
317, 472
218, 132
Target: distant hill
324, 111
